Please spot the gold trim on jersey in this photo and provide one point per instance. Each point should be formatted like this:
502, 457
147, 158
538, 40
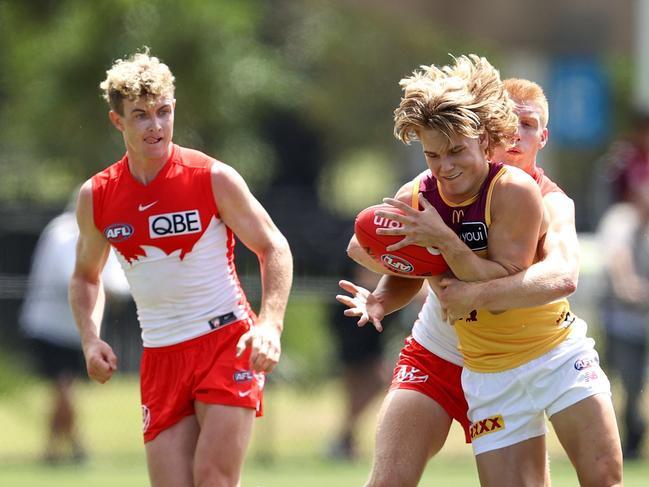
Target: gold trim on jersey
487, 210
467, 202
415, 192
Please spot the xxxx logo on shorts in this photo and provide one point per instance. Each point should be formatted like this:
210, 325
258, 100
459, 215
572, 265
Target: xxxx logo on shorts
486, 426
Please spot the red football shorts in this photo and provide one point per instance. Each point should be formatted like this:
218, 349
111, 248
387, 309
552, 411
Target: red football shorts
420, 370
204, 369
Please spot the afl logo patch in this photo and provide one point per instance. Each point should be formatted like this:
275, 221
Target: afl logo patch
118, 232
397, 264
243, 376
586, 363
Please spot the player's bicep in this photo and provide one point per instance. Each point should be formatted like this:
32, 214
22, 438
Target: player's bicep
517, 222
92, 248
405, 193
561, 241
242, 212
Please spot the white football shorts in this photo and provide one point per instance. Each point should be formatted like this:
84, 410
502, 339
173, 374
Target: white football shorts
508, 407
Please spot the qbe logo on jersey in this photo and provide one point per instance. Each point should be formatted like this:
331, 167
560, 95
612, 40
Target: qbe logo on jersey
172, 224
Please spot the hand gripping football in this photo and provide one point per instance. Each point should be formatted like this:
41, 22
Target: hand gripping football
411, 260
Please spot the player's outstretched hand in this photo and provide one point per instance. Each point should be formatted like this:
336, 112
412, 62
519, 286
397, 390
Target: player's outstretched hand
264, 342
361, 303
101, 361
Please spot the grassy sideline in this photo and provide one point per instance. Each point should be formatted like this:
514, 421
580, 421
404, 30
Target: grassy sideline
286, 448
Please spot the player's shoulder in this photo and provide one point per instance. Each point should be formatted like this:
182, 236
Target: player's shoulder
110, 173
558, 199
406, 191
515, 180
221, 170
226, 181
515, 174
515, 193
192, 158
86, 190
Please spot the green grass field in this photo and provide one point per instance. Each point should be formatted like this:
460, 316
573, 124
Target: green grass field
285, 452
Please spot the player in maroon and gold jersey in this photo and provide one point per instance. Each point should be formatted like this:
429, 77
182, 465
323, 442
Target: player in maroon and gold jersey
526, 457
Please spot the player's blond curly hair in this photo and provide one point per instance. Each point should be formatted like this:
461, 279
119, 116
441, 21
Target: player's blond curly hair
523, 91
466, 98
141, 75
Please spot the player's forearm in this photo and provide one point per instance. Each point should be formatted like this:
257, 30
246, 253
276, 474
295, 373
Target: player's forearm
466, 265
540, 284
362, 258
87, 301
276, 280
396, 292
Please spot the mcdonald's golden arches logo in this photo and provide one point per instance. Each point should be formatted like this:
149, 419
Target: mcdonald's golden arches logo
458, 216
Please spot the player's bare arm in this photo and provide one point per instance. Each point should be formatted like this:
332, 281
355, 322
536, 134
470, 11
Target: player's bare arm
359, 255
513, 234
250, 222
553, 277
86, 292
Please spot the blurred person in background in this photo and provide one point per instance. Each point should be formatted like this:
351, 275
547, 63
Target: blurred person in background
626, 161
47, 321
624, 240
172, 215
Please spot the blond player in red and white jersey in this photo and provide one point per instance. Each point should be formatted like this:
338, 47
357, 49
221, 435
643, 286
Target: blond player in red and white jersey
553, 277
172, 214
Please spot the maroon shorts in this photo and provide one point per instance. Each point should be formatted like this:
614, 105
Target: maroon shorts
204, 369
418, 369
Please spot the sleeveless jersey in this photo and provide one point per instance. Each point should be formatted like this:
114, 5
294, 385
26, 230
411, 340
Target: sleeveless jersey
498, 341
177, 254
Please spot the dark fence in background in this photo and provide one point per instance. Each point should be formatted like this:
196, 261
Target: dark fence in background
318, 240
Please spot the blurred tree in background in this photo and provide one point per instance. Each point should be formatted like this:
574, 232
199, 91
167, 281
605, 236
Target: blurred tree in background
293, 94
54, 129
289, 93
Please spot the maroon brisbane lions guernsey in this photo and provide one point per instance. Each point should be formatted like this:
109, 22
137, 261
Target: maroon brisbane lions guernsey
493, 342
176, 252
470, 219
